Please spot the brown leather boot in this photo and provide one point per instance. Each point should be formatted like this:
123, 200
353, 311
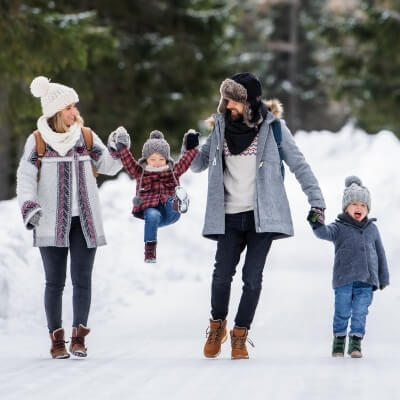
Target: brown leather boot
238, 342
150, 251
77, 346
58, 349
216, 335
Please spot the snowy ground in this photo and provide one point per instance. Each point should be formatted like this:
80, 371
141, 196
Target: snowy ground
148, 321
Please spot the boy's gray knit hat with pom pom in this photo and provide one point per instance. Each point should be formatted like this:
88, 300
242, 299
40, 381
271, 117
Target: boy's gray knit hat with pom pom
156, 144
355, 191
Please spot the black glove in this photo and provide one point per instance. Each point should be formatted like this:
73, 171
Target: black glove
316, 217
191, 139
381, 287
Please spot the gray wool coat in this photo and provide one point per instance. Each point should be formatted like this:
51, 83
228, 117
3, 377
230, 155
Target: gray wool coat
271, 206
359, 253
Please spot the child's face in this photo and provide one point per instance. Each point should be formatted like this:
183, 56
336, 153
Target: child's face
357, 210
156, 160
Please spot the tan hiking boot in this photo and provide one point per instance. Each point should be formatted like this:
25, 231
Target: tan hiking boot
77, 346
58, 349
238, 342
216, 335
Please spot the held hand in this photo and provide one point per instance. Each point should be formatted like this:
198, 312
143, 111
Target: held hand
190, 139
119, 139
381, 287
316, 217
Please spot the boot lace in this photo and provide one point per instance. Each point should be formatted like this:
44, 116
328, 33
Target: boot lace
214, 335
239, 342
79, 340
356, 343
59, 344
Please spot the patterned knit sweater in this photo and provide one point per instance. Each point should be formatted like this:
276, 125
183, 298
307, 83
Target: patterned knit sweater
53, 194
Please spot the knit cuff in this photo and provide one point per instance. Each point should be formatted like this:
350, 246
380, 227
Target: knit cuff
29, 209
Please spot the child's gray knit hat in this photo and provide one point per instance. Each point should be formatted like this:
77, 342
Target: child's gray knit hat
355, 191
156, 144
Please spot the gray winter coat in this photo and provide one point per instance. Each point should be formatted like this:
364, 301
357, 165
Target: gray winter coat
271, 206
359, 253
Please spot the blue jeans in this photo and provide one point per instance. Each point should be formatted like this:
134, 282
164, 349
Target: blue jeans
351, 300
156, 217
240, 233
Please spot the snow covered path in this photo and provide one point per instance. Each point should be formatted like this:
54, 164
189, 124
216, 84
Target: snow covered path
148, 321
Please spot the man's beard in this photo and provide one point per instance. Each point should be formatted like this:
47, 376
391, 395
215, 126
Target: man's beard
237, 117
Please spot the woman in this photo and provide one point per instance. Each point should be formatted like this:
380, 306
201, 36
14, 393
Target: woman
58, 196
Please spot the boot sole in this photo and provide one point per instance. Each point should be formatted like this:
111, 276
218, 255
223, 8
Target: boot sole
216, 355
336, 355
61, 357
79, 354
240, 358
355, 354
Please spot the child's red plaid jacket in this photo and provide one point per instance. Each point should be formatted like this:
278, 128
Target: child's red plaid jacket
156, 186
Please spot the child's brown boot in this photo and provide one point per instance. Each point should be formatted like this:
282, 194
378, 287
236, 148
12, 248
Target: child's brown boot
238, 342
77, 346
216, 335
150, 251
58, 349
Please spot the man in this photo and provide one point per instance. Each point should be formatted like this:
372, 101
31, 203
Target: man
247, 204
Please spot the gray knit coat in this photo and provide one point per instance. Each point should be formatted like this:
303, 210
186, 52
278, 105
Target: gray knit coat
271, 206
359, 253
52, 195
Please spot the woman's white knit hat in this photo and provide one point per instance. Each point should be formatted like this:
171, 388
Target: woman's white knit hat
54, 97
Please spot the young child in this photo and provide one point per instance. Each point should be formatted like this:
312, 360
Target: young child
159, 198
360, 265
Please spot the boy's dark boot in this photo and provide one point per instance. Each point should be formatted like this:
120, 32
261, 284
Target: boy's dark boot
238, 342
77, 346
339, 344
150, 251
216, 335
354, 347
58, 349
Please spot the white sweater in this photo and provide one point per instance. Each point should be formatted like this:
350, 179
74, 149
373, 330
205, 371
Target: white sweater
53, 194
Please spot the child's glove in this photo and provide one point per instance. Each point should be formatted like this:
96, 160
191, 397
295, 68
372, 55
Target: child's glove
381, 287
316, 217
119, 139
190, 140
34, 220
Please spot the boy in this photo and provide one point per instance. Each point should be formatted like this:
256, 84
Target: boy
360, 265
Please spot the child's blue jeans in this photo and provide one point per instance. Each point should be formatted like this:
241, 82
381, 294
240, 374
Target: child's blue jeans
351, 300
156, 217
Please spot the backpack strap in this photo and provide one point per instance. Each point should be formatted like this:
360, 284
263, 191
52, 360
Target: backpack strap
276, 128
88, 139
40, 150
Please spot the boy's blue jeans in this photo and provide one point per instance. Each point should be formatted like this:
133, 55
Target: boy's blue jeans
155, 217
351, 300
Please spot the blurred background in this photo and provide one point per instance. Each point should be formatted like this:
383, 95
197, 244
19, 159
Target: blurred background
153, 64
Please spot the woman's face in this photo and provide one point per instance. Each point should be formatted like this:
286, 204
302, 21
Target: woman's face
68, 114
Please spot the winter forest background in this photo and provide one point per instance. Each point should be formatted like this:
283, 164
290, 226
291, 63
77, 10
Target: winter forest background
154, 64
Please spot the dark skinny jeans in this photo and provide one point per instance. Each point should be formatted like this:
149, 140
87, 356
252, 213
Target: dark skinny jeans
55, 268
239, 233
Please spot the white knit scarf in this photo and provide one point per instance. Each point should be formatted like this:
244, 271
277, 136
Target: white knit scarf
60, 142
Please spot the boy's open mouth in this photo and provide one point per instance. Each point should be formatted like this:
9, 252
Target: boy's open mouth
357, 215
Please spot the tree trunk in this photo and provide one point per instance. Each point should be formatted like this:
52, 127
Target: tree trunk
293, 115
5, 144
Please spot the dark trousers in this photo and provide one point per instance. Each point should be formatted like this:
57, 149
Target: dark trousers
55, 268
239, 233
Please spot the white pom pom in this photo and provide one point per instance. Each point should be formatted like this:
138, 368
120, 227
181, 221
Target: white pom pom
40, 86
156, 135
352, 179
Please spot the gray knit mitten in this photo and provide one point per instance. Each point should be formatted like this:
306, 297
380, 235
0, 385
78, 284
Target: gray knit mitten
119, 139
34, 221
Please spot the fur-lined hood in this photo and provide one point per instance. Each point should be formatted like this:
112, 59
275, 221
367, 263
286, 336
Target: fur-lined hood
274, 106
